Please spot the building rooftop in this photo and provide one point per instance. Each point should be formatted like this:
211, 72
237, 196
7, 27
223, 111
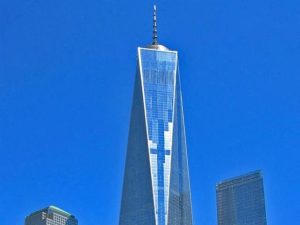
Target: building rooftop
52, 208
158, 47
240, 179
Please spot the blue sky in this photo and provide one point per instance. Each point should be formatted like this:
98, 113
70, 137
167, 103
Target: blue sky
66, 84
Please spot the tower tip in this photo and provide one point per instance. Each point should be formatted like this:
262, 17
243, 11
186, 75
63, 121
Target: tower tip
154, 37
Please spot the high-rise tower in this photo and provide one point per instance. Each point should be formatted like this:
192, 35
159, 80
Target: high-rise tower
156, 188
241, 201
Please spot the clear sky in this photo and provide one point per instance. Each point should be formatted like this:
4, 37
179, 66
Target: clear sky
66, 85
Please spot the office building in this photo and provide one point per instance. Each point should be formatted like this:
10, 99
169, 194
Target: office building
241, 201
156, 188
51, 216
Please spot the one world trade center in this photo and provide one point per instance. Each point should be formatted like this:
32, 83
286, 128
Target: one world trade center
156, 188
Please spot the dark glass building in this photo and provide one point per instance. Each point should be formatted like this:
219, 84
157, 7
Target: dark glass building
51, 215
156, 188
241, 201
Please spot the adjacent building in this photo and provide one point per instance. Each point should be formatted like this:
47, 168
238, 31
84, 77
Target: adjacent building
241, 201
156, 188
51, 215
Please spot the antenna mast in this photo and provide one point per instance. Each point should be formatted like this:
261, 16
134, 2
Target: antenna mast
154, 37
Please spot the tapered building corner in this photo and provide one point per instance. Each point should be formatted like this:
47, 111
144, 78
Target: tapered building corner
156, 188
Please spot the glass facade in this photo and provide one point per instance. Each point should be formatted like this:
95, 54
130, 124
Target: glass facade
240, 201
158, 72
51, 216
156, 183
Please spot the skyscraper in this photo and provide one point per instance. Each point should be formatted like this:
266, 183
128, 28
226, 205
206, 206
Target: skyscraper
240, 200
156, 188
51, 216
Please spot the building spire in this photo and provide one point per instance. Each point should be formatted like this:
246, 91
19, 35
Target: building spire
155, 44
154, 37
